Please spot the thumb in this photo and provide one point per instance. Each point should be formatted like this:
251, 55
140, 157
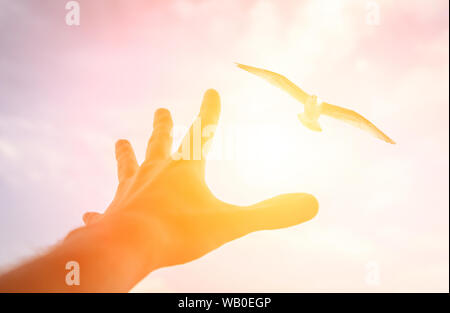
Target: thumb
278, 212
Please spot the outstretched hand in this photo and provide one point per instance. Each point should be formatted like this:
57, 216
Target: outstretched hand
165, 209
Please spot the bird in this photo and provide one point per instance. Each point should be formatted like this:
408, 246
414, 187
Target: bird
313, 108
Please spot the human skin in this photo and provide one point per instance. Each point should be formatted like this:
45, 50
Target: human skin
163, 214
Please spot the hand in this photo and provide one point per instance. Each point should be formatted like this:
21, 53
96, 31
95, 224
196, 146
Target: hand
166, 209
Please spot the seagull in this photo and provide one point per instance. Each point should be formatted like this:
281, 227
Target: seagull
314, 108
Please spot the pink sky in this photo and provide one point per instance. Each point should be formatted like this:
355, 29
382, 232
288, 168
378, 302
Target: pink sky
67, 93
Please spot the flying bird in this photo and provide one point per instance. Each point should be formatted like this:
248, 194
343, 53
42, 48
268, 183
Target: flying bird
313, 109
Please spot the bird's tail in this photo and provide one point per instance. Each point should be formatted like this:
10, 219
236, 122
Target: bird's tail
309, 123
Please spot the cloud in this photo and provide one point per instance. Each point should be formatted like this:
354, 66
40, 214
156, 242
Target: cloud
67, 93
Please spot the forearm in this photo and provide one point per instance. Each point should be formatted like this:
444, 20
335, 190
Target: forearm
108, 256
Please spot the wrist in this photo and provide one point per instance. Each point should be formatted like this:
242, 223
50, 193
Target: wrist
130, 235
128, 248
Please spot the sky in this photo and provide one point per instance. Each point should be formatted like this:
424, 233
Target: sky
67, 93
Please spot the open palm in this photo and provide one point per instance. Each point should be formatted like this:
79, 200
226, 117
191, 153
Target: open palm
167, 203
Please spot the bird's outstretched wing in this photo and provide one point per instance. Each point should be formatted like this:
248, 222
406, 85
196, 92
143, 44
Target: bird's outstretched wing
278, 80
353, 118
